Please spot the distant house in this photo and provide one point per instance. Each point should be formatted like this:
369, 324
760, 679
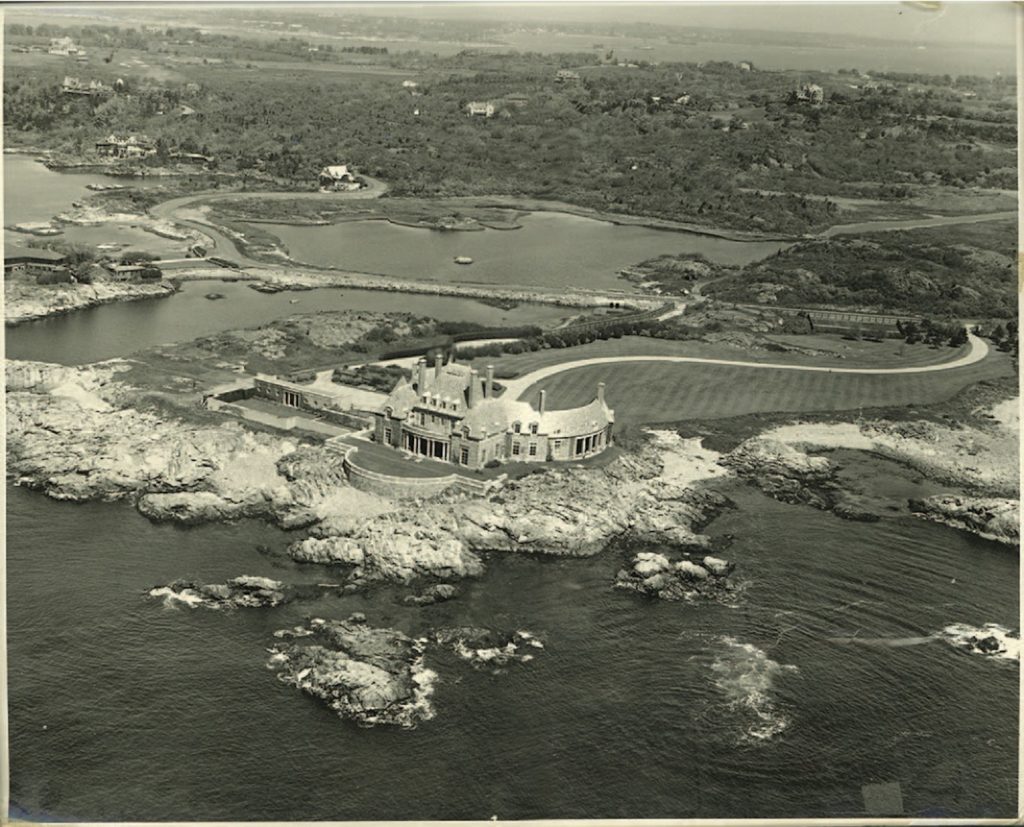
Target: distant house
184, 111
480, 108
746, 66
409, 84
64, 46
338, 178
74, 86
809, 93
45, 265
130, 147
132, 272
191, 158
566, 76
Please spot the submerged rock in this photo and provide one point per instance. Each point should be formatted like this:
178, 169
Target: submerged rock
655, 575
482, 647
368, 675
437, 593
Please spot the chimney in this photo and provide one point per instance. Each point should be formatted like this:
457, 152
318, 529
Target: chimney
437, 364
489, 387
543, 397
421, 377
600, 392
474, 388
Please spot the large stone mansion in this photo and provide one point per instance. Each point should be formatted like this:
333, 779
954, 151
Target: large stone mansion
449, 412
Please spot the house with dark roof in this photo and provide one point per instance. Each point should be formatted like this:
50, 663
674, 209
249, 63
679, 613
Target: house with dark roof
449, 412
44, 264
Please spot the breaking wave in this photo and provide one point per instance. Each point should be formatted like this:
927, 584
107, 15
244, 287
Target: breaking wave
747, 676
172, 598
991, 639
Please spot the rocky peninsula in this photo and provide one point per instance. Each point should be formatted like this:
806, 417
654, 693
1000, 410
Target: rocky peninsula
25, 301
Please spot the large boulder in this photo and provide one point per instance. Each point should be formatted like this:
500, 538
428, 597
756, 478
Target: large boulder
655, 575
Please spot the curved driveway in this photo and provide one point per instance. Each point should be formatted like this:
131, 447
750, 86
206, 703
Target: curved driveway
517, 387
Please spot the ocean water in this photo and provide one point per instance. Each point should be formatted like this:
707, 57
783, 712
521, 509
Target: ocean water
828, 672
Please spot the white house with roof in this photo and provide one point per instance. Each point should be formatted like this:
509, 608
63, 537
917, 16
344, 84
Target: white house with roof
450, 413
337, 177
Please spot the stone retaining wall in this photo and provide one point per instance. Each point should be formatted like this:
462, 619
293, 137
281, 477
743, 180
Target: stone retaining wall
406, 488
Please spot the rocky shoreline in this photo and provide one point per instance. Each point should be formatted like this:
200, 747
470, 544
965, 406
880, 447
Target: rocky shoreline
980, 461
75, 434
25, 302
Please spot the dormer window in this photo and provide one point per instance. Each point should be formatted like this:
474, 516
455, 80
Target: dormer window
517, 428
533, 427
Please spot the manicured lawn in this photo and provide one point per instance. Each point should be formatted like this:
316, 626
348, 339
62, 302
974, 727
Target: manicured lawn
660, 392
888, 353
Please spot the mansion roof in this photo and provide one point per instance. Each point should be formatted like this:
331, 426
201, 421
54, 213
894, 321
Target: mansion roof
447, 391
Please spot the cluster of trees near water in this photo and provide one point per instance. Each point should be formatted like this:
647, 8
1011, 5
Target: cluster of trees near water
965, 272
710, 144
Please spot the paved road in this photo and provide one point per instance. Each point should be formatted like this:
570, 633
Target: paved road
517, 387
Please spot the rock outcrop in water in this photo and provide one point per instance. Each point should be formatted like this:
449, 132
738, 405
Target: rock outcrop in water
655, 575
991, 639
482, 647
377, 676
993, 518
438, 593
369, 675
246, 591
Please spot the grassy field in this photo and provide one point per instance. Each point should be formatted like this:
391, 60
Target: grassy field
658, 392
846, 354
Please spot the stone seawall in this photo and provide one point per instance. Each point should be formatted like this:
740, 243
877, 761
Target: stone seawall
408, 488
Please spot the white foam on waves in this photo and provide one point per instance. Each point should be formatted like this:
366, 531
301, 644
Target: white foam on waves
186, 596
992, 640
747, 676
